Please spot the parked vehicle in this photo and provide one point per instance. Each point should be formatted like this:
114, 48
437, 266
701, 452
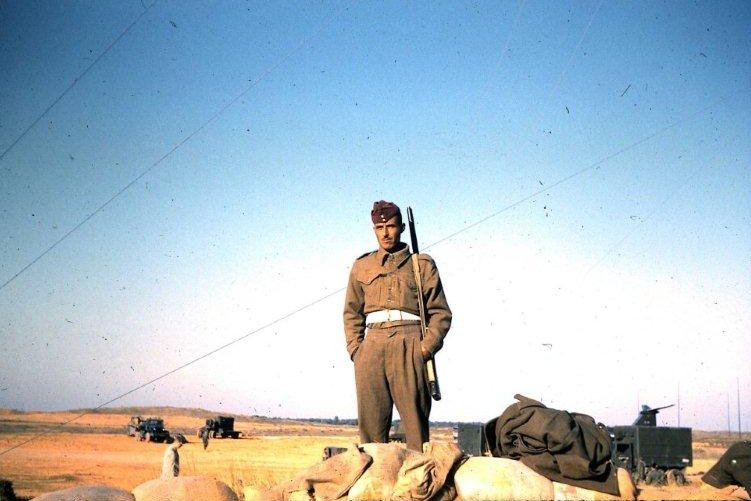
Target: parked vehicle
220, 427
150, 429
645, 445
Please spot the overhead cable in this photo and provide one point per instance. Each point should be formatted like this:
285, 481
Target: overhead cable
331, 294
76, 80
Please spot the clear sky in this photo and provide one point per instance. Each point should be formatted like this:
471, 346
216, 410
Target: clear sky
578, 170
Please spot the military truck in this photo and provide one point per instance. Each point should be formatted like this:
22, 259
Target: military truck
470, 437
220, 427
645, 445
150, 429
397, 433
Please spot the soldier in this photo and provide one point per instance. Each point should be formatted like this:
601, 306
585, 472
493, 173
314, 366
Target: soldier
383, 332
205, 436
171, 459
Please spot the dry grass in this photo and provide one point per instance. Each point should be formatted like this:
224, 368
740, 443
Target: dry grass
96, 450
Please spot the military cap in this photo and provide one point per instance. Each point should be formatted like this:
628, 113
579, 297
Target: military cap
383, 211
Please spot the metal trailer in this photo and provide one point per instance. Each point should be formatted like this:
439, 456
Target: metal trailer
661, 447
644, 444
220, 427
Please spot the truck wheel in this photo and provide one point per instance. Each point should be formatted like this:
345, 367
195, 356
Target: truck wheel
213, 434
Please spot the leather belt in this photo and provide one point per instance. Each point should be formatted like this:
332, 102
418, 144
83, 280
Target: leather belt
389, 316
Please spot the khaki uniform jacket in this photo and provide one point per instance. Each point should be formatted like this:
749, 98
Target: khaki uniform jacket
380, 280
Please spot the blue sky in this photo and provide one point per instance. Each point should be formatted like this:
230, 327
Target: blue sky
579, 171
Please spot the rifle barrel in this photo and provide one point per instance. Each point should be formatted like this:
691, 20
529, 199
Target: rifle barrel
435, 390
412, 234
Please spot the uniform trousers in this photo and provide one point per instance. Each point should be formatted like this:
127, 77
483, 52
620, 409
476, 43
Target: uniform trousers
389, 370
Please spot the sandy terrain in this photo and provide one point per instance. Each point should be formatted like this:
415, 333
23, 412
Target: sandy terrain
39, 456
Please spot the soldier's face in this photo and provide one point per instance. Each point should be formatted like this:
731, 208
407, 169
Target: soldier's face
389, 234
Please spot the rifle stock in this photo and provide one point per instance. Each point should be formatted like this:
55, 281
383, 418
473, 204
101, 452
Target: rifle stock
435, 390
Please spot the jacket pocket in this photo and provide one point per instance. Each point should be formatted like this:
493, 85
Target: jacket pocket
367, 275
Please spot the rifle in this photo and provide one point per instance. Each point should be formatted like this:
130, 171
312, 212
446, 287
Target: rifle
435, 390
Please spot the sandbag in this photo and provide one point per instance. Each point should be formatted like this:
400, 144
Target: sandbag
484, 478
327, 480
625, 486
491, 478
184, 489
371, 472
377, 482
87, 493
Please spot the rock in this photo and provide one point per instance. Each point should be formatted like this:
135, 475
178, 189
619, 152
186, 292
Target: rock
6, 490
87, 493
184, 489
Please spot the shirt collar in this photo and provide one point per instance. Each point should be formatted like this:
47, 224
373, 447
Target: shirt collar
399, 255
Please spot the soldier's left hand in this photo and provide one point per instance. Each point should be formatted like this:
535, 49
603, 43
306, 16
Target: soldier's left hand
425, 353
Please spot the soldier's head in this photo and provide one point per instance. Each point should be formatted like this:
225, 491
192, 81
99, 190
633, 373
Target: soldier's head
180, 439
387, 225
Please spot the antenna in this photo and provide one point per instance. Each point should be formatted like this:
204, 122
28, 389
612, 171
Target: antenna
727, 397
738, 389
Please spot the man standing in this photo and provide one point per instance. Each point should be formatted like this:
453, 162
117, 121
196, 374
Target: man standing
205, 436
383, 332
171, 458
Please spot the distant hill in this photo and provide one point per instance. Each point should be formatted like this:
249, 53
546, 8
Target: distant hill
158, 411
716, 438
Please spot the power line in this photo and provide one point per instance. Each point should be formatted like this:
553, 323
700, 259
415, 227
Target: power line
187, 138
571, 55
75, 81
331, 294
581, 171
646, 218
176, 369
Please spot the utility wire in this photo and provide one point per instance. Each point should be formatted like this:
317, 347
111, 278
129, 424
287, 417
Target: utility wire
582, 170
190, 136
172, 371
628, 234
331, 294
75, 81
554, 89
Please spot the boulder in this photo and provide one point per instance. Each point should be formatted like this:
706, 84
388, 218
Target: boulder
6, 490
184, 489
87, 493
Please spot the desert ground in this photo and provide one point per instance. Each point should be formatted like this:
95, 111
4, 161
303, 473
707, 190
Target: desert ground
39, 455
